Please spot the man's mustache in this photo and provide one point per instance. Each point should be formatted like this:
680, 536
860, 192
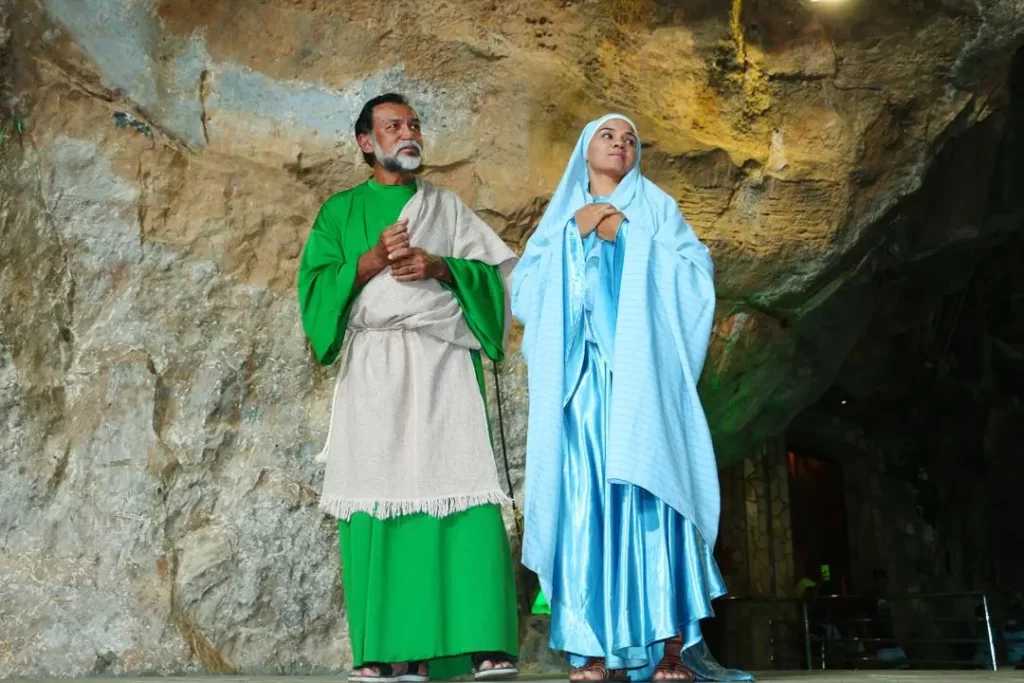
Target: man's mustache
408, 144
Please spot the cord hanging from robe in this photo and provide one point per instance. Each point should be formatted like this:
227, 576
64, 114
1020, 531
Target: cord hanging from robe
504, 451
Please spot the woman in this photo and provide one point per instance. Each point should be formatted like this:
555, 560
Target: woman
622, 497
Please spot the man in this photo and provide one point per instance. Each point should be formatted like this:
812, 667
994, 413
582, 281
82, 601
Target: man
406, 286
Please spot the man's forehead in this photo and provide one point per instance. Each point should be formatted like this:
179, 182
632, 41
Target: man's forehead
394, 112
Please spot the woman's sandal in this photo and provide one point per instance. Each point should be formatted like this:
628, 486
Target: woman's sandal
671, 666
387, 673
502, 666
598, 666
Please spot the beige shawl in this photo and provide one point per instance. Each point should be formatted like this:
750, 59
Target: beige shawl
409, 429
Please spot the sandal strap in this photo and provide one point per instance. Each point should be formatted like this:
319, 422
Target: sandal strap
600, 665
672, 664
495, 657
385, 669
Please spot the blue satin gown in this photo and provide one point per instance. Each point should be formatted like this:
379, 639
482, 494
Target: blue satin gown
630, 572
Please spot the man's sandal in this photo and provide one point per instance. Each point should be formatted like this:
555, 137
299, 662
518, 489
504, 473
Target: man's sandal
502, 666
408, 672
598, 666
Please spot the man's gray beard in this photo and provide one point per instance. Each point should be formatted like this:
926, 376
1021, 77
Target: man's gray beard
398, 163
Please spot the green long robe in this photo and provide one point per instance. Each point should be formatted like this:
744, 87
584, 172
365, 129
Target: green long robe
416, 587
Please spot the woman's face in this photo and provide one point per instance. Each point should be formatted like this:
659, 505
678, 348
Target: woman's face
612, 150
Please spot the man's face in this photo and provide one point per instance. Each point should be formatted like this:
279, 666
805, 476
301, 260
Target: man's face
397, 141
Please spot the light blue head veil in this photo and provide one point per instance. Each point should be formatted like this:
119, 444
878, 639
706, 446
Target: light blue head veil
572, 191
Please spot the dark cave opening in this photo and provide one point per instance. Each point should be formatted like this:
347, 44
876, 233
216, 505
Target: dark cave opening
925, 419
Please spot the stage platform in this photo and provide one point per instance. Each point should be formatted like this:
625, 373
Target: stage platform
1006, 676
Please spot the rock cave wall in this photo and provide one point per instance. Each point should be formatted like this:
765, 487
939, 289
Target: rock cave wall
162, 161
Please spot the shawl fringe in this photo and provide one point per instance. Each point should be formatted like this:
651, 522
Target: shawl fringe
344, 508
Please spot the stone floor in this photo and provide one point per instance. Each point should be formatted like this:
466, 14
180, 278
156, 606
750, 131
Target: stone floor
889, 676
1007, 676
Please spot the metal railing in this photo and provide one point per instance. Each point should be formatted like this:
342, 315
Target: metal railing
844, 632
